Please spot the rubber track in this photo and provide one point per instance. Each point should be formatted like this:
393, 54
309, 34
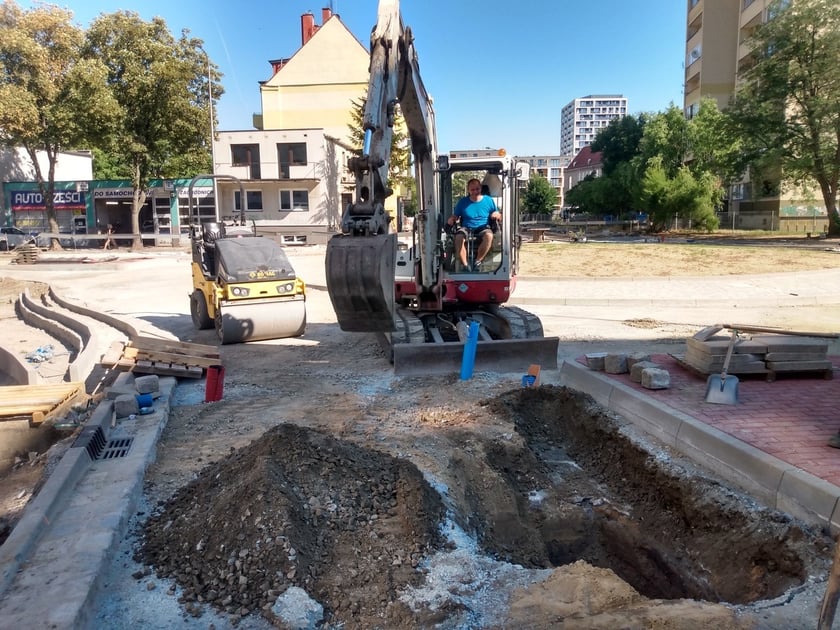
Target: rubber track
523, 324
409, 327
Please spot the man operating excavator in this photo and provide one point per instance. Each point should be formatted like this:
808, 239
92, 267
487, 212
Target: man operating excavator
475, 212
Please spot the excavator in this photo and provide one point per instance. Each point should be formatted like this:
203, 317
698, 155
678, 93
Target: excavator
416, 296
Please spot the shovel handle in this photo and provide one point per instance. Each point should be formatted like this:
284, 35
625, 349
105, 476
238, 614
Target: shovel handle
729, 350
780, 331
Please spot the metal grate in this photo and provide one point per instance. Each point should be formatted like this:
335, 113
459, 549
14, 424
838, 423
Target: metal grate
117, 448
92, 439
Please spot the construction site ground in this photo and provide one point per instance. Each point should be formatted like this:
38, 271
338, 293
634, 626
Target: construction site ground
320, 479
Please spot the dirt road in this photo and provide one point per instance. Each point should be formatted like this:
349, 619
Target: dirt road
322, 486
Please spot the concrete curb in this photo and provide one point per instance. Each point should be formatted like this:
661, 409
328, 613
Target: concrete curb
765, 477
41, 510
77, 520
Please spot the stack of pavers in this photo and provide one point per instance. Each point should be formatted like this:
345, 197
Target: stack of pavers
758, 350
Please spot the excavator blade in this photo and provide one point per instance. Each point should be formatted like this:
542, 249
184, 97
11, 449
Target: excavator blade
504, 355
360, 281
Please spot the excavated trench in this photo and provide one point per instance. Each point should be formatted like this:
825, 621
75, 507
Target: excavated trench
355, 527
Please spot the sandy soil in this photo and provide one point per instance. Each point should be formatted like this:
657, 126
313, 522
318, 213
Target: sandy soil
426, 502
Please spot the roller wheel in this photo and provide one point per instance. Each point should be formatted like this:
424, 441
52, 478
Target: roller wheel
198, 310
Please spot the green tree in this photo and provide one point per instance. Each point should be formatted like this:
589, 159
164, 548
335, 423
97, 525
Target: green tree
400, 159
51, 98
682, 195
787, 107
667, 136
540, 197
618, 143
162, 87
714, 145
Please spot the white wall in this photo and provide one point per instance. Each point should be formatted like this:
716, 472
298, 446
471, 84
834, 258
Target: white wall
15, 166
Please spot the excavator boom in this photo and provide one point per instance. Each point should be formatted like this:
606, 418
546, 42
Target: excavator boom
418, 296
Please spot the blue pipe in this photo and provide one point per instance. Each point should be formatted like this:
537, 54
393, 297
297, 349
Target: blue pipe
468, 360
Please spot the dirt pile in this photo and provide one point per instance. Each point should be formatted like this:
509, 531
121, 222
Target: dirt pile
299, 508
568, 497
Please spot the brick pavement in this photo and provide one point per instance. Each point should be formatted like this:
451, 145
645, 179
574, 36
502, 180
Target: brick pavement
790, 418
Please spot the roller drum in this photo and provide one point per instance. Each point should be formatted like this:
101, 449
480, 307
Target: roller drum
238, 322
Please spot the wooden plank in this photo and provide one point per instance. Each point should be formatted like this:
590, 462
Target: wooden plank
11, 391
39, 403
180, 347
170, 357
797, 356
799, 366
780, 331
113, 355
164, 369
707, 332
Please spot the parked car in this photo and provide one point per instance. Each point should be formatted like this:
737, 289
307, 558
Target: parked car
11, 237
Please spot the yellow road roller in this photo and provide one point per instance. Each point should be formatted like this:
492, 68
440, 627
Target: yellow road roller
243, 284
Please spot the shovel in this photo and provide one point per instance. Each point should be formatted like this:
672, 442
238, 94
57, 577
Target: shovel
722, 389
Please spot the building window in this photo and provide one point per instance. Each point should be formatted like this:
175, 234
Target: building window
290, 154
294, 200
253, 197
246, 155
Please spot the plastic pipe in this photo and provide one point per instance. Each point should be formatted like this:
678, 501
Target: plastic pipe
468, 360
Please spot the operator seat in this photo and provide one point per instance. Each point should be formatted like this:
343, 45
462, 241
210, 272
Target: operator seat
211, 231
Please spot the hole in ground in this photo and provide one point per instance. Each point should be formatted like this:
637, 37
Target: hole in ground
576, 486
354, 527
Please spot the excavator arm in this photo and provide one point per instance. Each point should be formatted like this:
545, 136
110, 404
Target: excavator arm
360, 261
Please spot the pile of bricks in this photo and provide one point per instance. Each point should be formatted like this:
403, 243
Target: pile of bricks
642, 370
759, 353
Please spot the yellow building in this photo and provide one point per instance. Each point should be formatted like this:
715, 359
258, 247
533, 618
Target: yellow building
315, 86
717, 49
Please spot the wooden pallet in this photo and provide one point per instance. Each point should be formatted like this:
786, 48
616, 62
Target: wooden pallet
147, 355
26, 254
38, 403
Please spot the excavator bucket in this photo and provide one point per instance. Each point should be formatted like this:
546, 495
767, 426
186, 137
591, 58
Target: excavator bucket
360, 281
505, 355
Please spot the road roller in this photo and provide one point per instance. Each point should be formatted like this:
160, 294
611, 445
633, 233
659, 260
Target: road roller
243, 284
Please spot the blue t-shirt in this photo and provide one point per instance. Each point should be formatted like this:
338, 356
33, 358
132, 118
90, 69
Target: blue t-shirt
475, 214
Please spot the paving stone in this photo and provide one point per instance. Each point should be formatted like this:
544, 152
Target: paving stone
656, 378
637, 368
615, 364
148, 384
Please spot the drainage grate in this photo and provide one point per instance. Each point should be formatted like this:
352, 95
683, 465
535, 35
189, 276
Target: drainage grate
117, 448
92, 439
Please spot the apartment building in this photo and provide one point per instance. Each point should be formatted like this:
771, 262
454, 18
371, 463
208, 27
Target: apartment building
717, 49
584, 117
552, 168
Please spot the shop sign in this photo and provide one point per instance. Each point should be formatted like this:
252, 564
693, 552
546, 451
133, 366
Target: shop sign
34, 200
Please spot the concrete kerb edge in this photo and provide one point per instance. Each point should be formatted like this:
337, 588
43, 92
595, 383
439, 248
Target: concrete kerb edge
72, 467
42, 508
115, 322
144, 454
771, 480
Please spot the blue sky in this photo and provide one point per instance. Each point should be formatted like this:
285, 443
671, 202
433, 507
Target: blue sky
499, 72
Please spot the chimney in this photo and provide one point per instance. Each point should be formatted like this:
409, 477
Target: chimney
307, 28
326, 14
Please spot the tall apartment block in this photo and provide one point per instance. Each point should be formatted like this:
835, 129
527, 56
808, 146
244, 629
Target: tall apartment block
710, 51
583, 118
717, 50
